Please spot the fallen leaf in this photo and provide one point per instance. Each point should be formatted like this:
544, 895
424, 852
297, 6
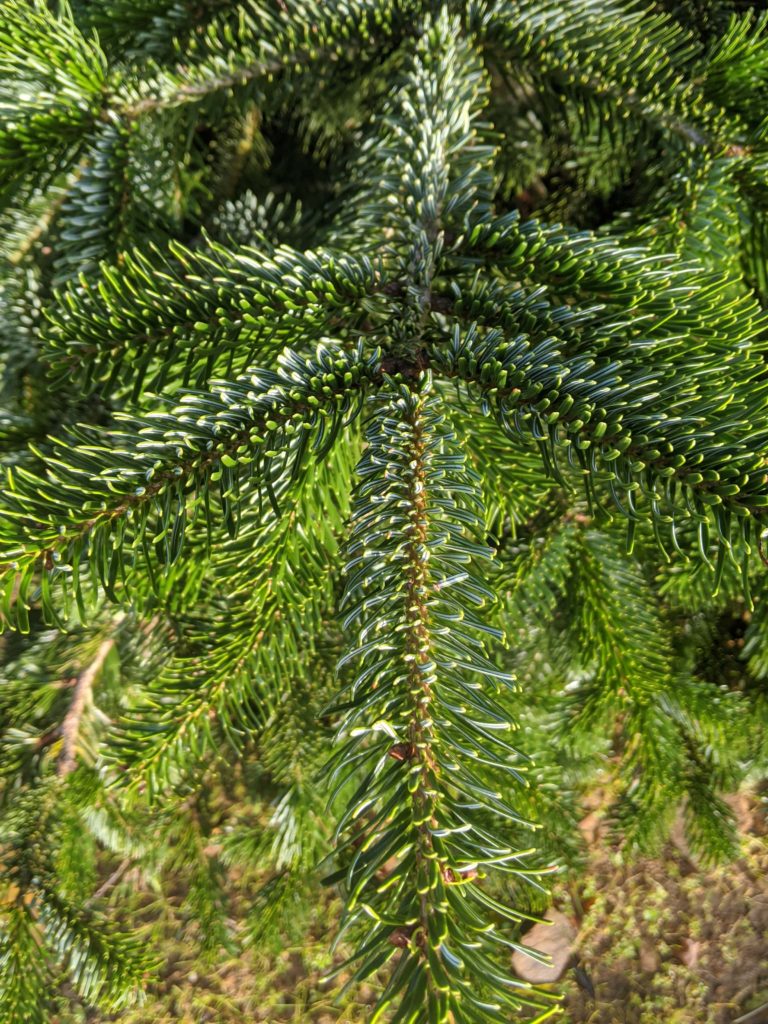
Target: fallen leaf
555, 940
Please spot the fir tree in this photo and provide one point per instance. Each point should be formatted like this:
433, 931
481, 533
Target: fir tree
384, 414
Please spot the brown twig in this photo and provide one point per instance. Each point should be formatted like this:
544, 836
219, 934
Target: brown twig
113, 879
70, 727
757, 1016
761, 550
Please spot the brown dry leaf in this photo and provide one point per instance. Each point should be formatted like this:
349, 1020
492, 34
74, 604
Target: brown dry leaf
555, 940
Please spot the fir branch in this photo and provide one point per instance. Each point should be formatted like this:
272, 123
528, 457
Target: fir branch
420, 728
52, 86
186, 308
106, 968
258, 424
268, 42
625, 427
260, 609
501, 362
23, 992
581, 265
621, 54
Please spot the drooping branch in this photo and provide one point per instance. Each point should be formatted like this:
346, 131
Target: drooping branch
424, 724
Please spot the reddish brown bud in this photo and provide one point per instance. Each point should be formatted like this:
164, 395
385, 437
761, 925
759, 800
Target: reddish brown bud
400, 937
403, 752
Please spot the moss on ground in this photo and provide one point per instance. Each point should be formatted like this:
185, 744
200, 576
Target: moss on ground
660, 941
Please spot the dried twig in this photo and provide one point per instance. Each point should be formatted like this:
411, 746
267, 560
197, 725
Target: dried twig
758, 1016
70, 727
113, 879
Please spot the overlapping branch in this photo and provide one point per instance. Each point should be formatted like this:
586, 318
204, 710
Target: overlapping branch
117, 495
